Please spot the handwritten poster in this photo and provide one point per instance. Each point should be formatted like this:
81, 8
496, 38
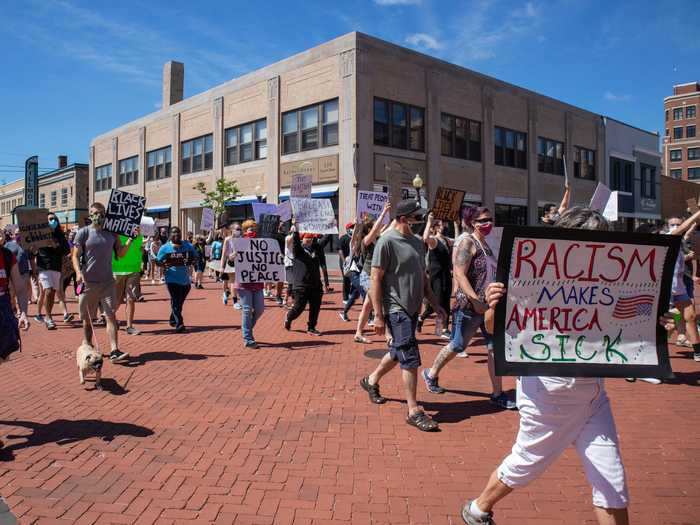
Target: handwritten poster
301, 186
258, 261
284, 210
371, 203
207, 223
583, 303
447, 204
268, 225
124, 212
315, 216
34, 228
262, 207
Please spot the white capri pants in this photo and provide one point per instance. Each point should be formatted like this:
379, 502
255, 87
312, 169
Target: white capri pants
557, 412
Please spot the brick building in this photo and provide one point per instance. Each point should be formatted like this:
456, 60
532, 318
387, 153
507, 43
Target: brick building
354, 113
681, 141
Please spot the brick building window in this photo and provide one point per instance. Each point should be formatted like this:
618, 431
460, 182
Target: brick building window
197, 154
648, 186
103, 177
584, 163
158, 164
461, 137
309, 128
689, 132
675, 155
666, 115
678, 114
678, 132
42, 201
550, 156
676, 174
246, 142
399, 125
693, 153
510, 214
510, 148
54, 202
129, 171
690, 112
694, 173
64, 197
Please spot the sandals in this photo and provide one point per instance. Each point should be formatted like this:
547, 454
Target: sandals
373, 391
422, 421
361, 339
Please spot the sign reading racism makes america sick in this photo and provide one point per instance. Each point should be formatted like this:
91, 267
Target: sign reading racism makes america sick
583, 303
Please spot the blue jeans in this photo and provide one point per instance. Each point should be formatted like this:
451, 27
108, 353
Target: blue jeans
253, 303
464, 326
356, 291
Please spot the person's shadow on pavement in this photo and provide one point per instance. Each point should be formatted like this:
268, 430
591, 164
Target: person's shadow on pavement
65, 432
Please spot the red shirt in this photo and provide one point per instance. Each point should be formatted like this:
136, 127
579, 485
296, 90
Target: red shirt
5, 272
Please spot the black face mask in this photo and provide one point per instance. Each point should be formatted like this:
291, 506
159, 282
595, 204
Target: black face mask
176, 238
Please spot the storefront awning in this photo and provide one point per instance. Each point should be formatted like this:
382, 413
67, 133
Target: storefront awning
244, 199
158, 209
319, 191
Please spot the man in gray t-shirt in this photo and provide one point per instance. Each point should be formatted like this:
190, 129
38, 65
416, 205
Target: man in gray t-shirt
95, 246
398, 287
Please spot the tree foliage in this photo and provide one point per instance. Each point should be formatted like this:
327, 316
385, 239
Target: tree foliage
226, 190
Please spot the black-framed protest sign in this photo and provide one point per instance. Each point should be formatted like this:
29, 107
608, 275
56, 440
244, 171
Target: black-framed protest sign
268, 225
447, 204
124, 212
583, 303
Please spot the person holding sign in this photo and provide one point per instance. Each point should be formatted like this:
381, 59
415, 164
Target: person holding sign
439, 270
92, 261
554, 413
9, 326
251, 295
176, 256
398, 287
49, 262
552, 213
306, 279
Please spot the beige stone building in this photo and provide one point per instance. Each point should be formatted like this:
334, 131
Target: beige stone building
63, 191
355, 113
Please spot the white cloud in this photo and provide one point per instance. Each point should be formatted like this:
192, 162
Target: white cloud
423, 40
612, 97
397, 2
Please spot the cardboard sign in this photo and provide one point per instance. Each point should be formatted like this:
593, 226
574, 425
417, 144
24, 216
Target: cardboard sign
447, 204
371, 203
268, 225
148, 226
207, 223
178, 259
258, 261
34, 228
314, 216
284, 210
124, 212
261, 207
301, 186
583, 303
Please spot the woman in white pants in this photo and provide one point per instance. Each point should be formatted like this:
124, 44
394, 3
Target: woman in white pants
554, 413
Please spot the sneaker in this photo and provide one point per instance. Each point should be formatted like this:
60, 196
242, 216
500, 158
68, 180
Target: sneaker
463, 354
280, 302
67, 318
373, 391
132, 331
180, 329
446, 334
432, 383
50, 325
224, 298
287, 324
470, 519
503, 402
153, 281
266, 293
39, 318
252, 344
237, 305
117, 356
696, 357
419, 325
313, 331
344, 317
652, 380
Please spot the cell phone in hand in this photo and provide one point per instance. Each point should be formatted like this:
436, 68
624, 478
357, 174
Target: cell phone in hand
79, 289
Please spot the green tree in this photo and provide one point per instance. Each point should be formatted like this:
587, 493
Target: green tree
226, 190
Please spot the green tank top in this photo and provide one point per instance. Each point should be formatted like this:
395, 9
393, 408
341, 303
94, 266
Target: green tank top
131, 262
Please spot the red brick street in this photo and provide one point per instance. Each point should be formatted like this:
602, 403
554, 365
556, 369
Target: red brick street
199, 429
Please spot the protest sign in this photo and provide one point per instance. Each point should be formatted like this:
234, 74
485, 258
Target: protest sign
494, 241
314, 216
610, 210
284, 210
207, 223
10, 228
692, 205
178, 259
583, 303
600, 198
124, 212
301, 186
148, 226
447, 204
258, 261
268, 225
371, 203
34, 228
261, 207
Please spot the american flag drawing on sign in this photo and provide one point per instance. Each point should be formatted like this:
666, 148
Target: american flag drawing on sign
637, 305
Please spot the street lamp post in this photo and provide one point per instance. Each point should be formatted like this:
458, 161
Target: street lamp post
418, 184
258, 193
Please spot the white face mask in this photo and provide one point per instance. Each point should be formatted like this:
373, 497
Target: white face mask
672, 227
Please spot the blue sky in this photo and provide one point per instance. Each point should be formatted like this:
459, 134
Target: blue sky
73, 69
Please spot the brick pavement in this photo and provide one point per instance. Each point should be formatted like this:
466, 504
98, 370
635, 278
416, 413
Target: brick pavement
200, 429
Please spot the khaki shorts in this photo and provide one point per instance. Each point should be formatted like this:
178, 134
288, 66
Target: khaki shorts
127, 286
94, 293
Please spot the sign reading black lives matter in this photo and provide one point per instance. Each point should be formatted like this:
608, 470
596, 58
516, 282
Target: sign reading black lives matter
268, 225
258, 261
124, 211
583, 303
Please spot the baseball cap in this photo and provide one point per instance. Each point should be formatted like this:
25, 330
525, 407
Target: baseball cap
349, 225
409, 207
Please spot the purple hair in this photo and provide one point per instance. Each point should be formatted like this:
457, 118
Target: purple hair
469, 213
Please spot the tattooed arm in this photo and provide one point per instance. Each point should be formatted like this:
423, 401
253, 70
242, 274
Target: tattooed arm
463, 258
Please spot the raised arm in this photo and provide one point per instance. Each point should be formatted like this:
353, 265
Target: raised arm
428, 239
565, 200
687, 224
373, 234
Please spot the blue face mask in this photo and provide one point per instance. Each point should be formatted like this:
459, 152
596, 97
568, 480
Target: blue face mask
53, 223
